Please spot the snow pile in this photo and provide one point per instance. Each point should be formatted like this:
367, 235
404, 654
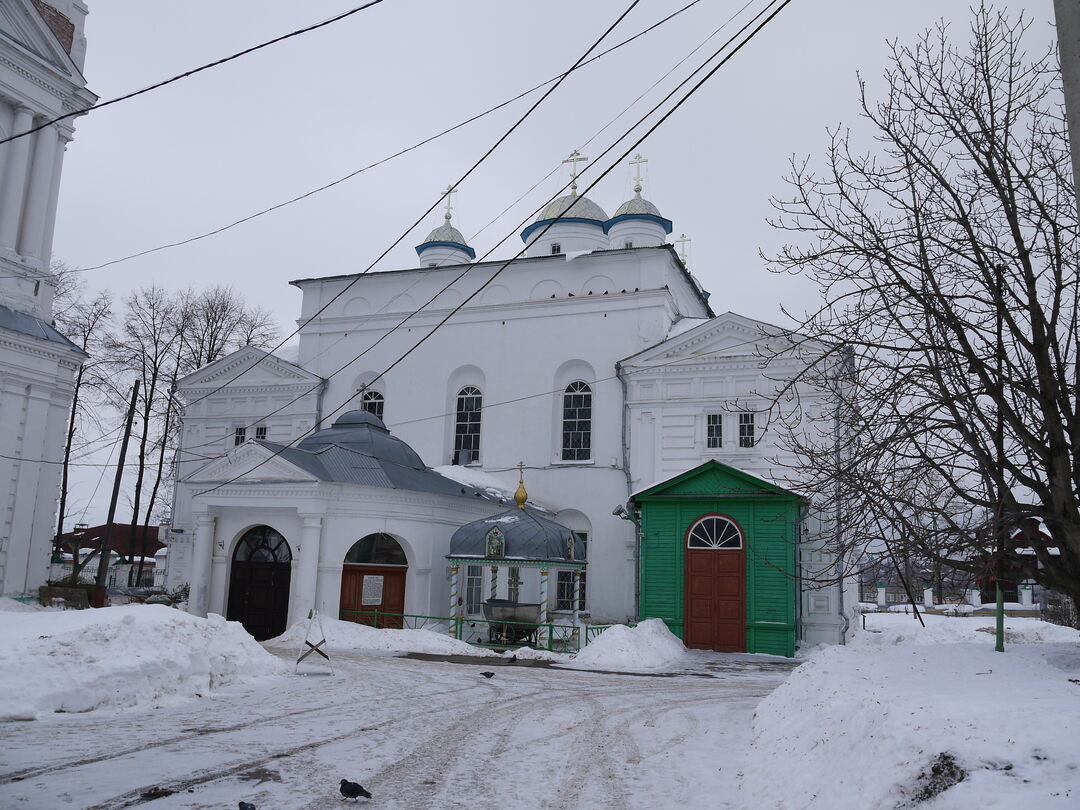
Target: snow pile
648, 646
488, 484
9, 605
81, 660
904, 715
350, 636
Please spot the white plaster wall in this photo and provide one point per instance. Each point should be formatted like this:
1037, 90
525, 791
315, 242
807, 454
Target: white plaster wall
524, 350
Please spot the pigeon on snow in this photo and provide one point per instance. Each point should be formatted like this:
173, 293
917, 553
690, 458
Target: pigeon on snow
353, 790
488, 674
247, 806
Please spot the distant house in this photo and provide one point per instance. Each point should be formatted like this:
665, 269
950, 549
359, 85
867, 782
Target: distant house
127, 545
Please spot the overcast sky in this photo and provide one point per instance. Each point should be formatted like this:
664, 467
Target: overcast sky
221, 145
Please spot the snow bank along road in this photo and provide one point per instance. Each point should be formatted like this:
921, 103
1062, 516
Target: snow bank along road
417, 734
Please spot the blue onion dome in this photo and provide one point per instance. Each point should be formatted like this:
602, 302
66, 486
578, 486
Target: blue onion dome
637, 207
446, 236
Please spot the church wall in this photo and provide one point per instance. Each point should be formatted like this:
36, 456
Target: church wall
525, 347
667, 408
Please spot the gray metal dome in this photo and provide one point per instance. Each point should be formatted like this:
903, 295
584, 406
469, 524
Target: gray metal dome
638, 205
572, 205
446, 233
364, 432
526, 536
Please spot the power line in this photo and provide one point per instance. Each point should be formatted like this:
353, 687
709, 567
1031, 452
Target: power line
503, 267
633, 146
388, 158
442, 196
193, 71
496, 246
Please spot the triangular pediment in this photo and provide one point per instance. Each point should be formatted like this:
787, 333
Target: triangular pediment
250, 462
726, 335
21, 23
712, 479
249, 366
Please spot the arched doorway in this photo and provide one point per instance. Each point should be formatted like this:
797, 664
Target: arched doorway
373, 581
715, 593
259, 583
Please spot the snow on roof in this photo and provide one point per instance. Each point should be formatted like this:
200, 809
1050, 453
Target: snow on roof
486, 483
684, 325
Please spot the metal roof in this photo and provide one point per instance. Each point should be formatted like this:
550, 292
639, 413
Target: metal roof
358, 449
527, 536
27, 324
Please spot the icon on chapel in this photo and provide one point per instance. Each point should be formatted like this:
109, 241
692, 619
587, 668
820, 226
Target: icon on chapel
495, 542
570, 547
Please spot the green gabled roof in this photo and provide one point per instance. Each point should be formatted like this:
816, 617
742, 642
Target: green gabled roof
713, 480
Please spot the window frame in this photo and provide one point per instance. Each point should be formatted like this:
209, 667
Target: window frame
556, 248
747, 438
564, 590
714, 439
468, 423
239, 435
513, 583
373, 401
575, 424
260, 432
474, 589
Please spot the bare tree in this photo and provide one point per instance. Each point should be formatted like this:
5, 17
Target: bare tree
218, 322
946, 256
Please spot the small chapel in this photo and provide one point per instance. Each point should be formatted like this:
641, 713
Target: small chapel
377, 475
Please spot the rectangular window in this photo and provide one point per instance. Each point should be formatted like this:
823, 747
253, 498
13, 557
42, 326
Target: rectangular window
473, 583
629, 245
260, 432
556, 248
577, 422
513, 584
747, 434
564, 591
239, 436
714, 430
467, 426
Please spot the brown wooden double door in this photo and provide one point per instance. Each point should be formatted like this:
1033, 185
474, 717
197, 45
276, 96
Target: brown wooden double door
715, 599
259, 597
372, 589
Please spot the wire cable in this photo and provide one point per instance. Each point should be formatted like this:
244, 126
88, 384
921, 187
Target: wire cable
388, 158
760, 26
193, 71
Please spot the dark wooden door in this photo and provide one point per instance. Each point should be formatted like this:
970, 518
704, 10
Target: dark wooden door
259, 597
370, 589
715, 599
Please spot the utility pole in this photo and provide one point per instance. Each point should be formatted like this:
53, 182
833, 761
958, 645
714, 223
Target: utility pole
1067, 13
106, 550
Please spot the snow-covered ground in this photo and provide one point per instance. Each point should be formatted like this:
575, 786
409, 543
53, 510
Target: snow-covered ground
75, 661
417, 733
903, 711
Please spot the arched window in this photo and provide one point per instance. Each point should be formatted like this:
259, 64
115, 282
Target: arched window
377, 549
372, 402
713, 532
262, 544
577, 422
467, 425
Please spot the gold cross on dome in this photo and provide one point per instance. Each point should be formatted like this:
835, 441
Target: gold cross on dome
574, 159
636, 163
682, 243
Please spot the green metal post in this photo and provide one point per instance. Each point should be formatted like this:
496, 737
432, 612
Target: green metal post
999, 629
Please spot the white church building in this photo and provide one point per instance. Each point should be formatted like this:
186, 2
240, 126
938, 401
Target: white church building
594, 361
42, 49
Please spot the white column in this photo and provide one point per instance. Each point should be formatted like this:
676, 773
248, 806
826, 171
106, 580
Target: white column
928, 597
215, 601
202, 551
307, 569
881, 600
974, 597
54, 198
544, 613
494, 581
14, 182
1027, 595
37, 197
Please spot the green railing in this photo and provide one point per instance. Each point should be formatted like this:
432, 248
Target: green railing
475, 630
